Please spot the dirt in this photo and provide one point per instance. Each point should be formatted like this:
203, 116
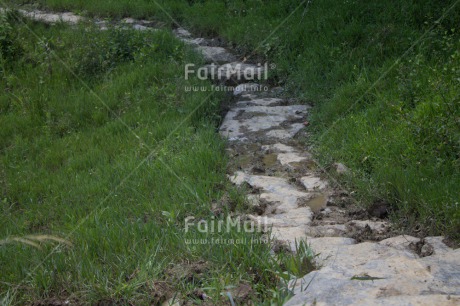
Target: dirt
422, 248
269, 160
262, 162
242, 294
380, 209
55, 301
188, 271
160, 291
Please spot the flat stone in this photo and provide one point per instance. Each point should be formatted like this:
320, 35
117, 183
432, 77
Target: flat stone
312, 183
128, 20
290, 235
326, 247
439, 247
286, 133
445, 268
288, 158
260, 102
65, 17
246, 88
286, 155
281, 148
216, 54
270, 122
248, 96
397, 278
274, 185
333, 230
401, 242
142, 28
235, 72
193, 41
288, 221
238, 72
181, 32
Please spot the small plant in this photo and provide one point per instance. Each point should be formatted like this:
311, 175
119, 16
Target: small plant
10, 48
299, 262
35, 241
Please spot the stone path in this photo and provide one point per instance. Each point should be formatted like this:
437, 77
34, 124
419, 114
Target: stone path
359, 264
291, 193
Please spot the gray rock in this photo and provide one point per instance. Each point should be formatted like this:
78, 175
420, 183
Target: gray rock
401, 243
340, 168
439, 247
142, 28
313, 182
181, 32
237, 72
246, 88
332, 230
193, 41
274, 122
260, 102
376, 274
38, 15
128, 20
216, 54
287, 220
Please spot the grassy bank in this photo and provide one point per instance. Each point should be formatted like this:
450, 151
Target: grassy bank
103, 156
384, 77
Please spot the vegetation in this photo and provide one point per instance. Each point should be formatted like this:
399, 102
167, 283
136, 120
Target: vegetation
103, 156
383, 76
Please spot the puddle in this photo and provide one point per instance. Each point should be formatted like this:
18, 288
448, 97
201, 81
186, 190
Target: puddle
305, 164
270, 160
244, 161
317, 203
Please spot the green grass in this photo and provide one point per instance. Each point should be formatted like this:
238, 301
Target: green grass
383, 75
101, 146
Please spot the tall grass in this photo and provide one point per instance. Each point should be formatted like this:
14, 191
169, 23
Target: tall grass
384, 76
392, 119
102, 158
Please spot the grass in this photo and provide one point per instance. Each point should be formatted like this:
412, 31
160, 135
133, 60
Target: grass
102, 159
382, 75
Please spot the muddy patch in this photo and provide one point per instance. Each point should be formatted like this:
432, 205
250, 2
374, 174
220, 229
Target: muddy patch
269, 160
318, 203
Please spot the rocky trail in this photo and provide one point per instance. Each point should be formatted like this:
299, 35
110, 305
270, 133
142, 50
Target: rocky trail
361, 260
